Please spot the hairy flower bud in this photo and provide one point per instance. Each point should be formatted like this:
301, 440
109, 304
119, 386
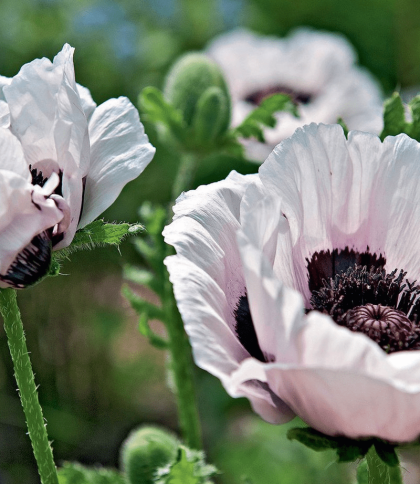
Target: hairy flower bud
144, 451
195, 86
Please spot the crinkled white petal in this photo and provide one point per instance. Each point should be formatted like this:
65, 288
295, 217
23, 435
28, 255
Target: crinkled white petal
339, 193
47, 117
20, 218
4, 115
208, 281
4, 81
338, 381
120, 151
88, 104
12, 157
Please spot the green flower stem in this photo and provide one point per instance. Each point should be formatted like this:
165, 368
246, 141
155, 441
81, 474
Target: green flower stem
27, 388
185, 175
379, 472
182, 368
181, 358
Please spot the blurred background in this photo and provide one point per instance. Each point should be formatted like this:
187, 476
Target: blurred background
98, 376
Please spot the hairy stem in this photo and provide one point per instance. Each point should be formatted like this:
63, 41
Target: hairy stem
185, 175
27, 389
379, 472
182, 368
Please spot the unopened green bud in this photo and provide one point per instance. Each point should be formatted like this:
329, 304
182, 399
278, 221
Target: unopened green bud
195, 86
144, 451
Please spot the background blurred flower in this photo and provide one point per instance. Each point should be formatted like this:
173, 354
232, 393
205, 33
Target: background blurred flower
254, 252
317, 69
91, 152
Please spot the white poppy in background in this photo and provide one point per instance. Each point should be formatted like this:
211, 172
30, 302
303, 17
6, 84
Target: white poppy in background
89, 152
289, 282
317, 69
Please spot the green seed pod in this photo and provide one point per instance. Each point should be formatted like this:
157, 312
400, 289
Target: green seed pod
144, 451
186, 84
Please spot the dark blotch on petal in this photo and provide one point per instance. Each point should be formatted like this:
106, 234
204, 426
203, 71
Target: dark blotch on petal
245, 329
31, 264
325, 265
298, 97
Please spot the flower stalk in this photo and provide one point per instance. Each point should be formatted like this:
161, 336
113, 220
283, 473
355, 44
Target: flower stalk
27, 388
179, 346
379, 472
186, 172
182, 368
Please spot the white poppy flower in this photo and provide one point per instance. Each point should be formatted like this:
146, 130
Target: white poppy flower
316, 68
91, 151
326, 227
27, 214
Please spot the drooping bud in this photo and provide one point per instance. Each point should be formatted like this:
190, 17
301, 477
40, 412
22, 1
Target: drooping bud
195, 86
144, 451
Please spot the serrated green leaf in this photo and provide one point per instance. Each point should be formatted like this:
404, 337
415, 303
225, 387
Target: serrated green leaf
312, 438
362, 473
74, 473
348, 450
386, 452
142, 277
189, 468
182, 472
153, 104
141, 306
394, 117
98, 233
154, 217
341, 122
262, 116
154, 339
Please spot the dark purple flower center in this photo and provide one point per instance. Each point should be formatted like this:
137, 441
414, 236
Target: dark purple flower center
357, 292
31, 264
39, 179
298, 97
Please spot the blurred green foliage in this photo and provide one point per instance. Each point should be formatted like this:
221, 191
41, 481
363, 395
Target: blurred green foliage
98, 376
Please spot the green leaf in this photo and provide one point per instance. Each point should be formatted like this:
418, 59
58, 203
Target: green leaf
348, 450
158, 110
312, 438
394, 117
341, 122
142, 277
386, 452
351, 450
154, 339
99, 233
189, 468
262, 116
362, 473
141, 306
74, 473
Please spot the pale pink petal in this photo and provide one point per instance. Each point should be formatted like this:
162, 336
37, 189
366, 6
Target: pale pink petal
21, 219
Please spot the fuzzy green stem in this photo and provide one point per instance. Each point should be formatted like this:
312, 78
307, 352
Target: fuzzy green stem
185, 175
27, 389
182, 368
379, 472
